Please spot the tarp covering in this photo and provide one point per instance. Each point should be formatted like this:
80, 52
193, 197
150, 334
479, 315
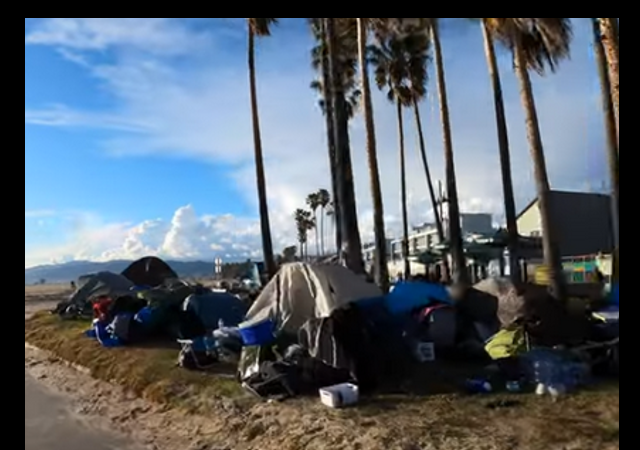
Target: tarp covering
149, 271
300, 292
213, 307
100, 284
407, 296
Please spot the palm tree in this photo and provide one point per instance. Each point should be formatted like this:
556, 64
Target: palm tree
352, 245
331, 215
303, 221
313, 202
612, 134
320, 62
538, 44
393, 57
610, 37
260, 27
504, 147
460, 272
324, 199
381, 269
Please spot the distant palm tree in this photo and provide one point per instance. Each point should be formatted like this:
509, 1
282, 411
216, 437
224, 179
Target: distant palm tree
324, 199
313, 202
260, 27
538, 44
304, 221
393, 57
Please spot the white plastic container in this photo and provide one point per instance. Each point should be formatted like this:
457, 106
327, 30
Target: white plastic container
425, 352
340, 395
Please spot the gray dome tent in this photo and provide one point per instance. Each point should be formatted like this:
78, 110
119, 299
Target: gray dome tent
99, 284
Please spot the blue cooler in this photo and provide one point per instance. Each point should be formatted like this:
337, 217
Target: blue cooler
261, 333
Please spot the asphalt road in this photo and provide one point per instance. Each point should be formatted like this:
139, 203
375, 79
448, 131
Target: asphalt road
48, 424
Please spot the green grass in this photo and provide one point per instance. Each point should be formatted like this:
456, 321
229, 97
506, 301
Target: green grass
149, 372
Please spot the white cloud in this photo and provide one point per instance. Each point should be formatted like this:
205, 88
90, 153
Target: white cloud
156, 35
201, 110
39, 214
186, 236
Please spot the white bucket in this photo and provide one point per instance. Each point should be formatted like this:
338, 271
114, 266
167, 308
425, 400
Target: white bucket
425, 352
340, 395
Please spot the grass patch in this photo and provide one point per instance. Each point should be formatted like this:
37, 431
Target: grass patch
150, 371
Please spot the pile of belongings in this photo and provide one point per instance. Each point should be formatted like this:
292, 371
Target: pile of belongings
544, 343
317, 325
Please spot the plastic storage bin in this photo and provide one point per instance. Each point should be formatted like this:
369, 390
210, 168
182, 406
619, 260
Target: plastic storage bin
340, 395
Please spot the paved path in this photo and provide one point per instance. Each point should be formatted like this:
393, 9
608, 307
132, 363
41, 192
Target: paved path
48, 424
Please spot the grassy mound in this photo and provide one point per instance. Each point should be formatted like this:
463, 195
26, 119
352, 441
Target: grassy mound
149, 372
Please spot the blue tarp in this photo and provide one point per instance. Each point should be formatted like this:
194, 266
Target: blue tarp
101, 333
215, 307
407, 296
615, 294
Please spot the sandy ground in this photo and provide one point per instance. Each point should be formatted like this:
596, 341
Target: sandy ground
49, 424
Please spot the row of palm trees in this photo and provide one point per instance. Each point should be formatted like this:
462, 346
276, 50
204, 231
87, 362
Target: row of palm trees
400, 52
320, 208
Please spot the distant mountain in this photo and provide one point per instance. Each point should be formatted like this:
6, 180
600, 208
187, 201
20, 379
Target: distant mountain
64, 273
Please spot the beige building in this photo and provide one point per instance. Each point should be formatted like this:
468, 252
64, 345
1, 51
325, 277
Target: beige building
582, 222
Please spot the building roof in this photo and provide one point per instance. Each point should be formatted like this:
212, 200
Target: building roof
569, 198
582, 222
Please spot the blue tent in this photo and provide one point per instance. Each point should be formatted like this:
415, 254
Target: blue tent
212, 308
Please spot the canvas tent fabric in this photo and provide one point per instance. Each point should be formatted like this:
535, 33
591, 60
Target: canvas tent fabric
300, 292
100, 284
149, 271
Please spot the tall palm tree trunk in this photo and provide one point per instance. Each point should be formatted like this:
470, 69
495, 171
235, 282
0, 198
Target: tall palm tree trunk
317, 232
331, 134
427, 171
609, 33
403, 193
265, 227
460, 273
505, 158
351, 242
322, 233
381, 269
552, 258
612, 137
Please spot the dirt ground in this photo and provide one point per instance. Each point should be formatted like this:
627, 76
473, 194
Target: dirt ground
588, 421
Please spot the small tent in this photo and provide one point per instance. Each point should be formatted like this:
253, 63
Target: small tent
100, 284
149, 271
301, 292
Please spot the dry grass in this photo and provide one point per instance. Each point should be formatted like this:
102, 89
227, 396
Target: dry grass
589, 420
149, 371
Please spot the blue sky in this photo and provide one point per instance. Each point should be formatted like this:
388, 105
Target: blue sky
138, 138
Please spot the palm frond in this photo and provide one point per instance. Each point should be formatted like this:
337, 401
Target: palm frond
545, 41
261, 26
